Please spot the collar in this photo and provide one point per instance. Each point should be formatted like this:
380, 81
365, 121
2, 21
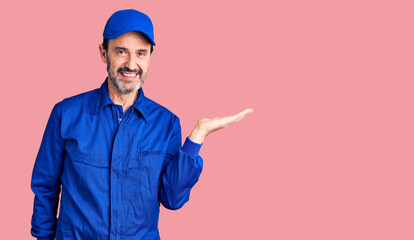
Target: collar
103, 100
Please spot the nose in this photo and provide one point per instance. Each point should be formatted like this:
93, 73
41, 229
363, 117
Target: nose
132, 63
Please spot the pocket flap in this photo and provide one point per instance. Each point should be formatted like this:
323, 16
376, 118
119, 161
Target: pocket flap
154, 147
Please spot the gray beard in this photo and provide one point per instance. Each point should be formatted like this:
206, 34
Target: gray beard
117, 83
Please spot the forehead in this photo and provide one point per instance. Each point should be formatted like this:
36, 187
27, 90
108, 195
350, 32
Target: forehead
130, 40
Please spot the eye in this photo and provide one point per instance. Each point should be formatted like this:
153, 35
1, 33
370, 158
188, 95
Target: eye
141, 54
121, 51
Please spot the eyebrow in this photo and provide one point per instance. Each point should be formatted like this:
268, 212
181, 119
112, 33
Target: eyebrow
120, 48
126, 49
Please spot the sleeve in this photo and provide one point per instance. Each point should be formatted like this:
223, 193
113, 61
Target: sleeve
46, 179
182, 172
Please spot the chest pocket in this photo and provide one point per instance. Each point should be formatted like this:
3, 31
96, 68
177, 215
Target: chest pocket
150, 162
87, 157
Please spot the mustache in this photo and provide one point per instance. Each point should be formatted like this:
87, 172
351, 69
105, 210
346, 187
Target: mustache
125, 69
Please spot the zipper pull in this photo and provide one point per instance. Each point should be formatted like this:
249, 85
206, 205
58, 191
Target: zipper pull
119, 120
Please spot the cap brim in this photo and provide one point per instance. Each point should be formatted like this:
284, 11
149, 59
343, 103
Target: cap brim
122, 32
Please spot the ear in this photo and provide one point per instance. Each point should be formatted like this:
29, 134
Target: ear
103, 54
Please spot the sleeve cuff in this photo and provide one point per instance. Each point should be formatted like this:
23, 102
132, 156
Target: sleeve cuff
191, 148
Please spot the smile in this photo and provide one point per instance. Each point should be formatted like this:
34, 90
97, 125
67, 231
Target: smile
129, 76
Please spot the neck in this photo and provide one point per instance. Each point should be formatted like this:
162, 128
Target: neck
119, 98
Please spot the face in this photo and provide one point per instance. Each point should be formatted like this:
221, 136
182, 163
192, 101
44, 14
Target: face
127, 59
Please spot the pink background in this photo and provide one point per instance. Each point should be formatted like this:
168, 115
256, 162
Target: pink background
327, 154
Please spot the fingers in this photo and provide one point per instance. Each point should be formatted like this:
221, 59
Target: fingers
247, 111
207, 126
239, 116
225, 121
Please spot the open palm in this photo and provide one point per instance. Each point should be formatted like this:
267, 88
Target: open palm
206, 126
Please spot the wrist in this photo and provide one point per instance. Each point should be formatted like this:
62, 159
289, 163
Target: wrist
197, 135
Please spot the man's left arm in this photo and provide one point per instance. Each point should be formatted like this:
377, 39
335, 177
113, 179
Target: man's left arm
185, 165
182, 170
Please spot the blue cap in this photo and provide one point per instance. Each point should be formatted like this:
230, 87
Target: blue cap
128, 20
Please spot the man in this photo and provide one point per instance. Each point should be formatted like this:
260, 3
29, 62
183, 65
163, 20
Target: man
113, 153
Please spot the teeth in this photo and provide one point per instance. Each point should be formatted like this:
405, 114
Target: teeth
129, 75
